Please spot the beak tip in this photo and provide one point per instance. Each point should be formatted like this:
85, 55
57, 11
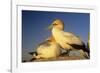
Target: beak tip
50, 27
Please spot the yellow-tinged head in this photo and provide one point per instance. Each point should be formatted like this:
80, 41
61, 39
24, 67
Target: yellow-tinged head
59, 24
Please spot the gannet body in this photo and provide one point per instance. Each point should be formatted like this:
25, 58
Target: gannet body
66, 40
48, 49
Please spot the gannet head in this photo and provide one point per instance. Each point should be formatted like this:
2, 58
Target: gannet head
59, 24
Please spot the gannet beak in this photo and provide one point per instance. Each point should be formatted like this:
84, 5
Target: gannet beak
50, 27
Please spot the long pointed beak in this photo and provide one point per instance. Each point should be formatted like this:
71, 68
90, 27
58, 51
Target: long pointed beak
50, 27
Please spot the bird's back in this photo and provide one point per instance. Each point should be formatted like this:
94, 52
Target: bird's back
72, 39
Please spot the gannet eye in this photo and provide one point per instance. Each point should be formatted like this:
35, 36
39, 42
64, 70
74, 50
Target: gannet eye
49, 40
55, 24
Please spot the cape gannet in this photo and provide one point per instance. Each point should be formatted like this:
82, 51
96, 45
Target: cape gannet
66, 40
47, 49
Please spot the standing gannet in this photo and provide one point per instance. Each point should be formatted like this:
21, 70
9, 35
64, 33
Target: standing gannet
47, 49
66, 40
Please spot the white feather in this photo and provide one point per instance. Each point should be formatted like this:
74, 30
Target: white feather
62, 37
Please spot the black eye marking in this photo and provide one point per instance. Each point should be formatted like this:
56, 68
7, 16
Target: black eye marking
54, 24
49, 40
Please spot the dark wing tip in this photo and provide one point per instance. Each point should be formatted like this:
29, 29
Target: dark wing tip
83, 47
32, 59
31, 53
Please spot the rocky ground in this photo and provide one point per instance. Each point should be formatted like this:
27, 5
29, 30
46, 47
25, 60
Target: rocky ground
60, 58
73, 55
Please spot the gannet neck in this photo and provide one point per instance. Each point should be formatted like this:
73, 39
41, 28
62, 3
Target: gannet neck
56, 30
57, 33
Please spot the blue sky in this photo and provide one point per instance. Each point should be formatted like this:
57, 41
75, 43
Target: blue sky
35, 23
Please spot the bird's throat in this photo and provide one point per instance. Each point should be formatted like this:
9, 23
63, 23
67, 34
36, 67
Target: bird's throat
57, 33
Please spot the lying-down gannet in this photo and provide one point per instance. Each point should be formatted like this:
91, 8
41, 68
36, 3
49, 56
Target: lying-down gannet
66, 40
47, 49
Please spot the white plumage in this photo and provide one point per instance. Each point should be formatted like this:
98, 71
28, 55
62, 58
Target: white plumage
48, 49
66, 40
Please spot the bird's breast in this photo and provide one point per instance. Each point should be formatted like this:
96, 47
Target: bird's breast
62, 37
58, 35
